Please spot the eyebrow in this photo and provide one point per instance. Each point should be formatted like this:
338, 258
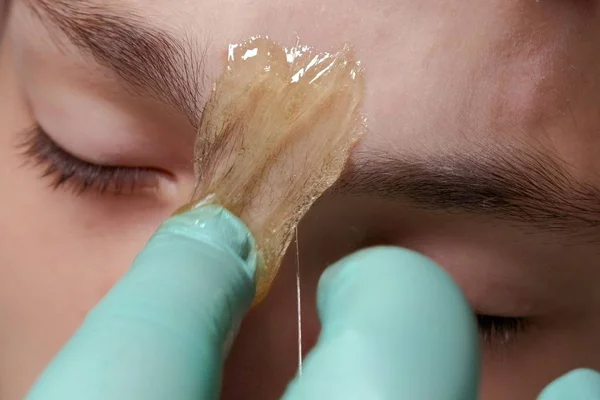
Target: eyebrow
149, 60
523, 186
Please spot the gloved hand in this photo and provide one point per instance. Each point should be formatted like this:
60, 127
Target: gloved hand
162, 331
395, 326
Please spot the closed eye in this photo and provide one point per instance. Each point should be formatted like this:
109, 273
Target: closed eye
63, 169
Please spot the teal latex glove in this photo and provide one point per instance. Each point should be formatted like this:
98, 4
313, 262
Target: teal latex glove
161, 332
580, 384
395, 326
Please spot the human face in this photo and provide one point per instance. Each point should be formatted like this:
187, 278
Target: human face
481, 153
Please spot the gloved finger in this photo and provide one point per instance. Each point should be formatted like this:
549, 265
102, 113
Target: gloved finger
579, 384
394, 326
160, 332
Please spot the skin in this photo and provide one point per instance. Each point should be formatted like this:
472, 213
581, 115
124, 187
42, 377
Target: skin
460, 76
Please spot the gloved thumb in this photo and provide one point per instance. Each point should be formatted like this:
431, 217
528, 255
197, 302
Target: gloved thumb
394, 326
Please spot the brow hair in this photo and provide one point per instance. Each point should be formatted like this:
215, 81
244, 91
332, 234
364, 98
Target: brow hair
150, 60
518, 185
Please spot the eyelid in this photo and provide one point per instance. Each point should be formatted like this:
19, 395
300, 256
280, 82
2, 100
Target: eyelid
65, 169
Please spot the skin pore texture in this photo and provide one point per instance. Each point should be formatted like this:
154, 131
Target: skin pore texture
481, 153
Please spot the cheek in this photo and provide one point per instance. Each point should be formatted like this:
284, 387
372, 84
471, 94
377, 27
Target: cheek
58, 257
59, 254
63, 251
54, 267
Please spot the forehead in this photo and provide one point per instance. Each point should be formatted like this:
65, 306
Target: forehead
462, 72
321, 23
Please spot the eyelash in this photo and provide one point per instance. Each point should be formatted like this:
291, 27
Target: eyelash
67, 170
498, 331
